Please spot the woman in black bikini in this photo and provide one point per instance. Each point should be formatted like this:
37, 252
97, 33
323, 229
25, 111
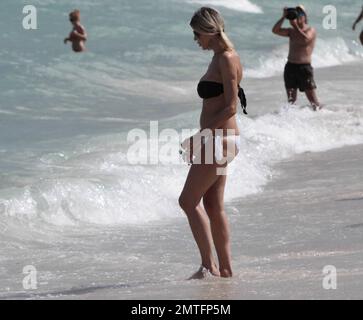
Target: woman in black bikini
219, 89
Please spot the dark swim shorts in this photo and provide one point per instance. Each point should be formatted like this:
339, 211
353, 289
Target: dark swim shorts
299, 76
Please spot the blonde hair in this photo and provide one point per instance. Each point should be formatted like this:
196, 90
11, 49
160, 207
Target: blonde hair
209, 21
75, 14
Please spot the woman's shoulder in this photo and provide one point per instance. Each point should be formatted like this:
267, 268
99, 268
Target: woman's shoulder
228, 57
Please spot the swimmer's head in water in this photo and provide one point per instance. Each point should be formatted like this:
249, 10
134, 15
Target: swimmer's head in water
208, 22
74, 16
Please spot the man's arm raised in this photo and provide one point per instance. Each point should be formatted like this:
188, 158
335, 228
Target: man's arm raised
307, 35
277, 28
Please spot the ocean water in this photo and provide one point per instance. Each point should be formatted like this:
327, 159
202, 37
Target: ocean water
64, 117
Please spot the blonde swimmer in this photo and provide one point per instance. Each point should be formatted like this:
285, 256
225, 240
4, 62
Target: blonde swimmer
78, 35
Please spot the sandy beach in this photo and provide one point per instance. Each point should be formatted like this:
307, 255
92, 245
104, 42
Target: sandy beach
308, 218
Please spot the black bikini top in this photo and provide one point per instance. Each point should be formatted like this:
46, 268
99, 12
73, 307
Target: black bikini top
211, 89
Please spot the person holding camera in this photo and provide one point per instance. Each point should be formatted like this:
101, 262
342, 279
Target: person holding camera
299, 73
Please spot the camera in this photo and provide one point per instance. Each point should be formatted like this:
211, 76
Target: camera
292, 14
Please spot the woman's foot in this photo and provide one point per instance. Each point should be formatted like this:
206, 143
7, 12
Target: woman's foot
203, 273
226, 273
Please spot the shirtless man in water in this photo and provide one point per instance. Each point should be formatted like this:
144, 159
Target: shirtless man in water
360, 17
78, 35
299, 73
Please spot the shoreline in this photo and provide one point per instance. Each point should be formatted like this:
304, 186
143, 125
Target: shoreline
308, 218
272, 263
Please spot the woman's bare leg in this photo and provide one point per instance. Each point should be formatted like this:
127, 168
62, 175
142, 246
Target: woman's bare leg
213, 202
199, 180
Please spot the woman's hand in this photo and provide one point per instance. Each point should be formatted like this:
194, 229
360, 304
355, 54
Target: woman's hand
192, 146
65, 40
187, 150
